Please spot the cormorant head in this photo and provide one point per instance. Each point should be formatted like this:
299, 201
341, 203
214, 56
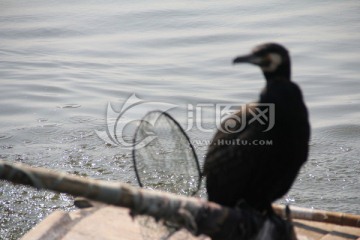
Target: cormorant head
272, 58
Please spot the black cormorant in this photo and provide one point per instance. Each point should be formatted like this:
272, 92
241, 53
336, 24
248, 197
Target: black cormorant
237, 167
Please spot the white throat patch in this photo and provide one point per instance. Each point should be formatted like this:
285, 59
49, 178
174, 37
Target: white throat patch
275, 61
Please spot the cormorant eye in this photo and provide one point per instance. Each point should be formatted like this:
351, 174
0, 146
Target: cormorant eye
266, 61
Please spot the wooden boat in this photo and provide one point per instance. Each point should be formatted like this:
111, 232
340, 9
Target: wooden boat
105, 222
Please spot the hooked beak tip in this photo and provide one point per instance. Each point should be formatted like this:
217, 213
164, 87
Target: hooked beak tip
244, 59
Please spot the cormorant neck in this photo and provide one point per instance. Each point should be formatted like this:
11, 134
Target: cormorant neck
281, 75
276, 78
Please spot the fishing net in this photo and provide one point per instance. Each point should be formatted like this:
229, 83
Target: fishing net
164, 159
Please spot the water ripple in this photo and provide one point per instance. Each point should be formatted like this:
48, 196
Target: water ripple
69, 105
5, 136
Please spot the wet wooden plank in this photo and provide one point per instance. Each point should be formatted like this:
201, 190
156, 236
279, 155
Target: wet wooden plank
105, 223
97, 223
52, 227
109, 223
312, 230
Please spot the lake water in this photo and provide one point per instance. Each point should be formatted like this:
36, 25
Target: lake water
62, 62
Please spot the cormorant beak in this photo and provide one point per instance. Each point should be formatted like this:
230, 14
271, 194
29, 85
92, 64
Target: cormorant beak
250, 58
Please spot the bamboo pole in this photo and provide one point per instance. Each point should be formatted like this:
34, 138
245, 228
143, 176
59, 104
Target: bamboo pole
196, 215
339, 218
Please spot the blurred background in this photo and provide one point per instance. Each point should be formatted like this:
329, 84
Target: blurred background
62, 62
